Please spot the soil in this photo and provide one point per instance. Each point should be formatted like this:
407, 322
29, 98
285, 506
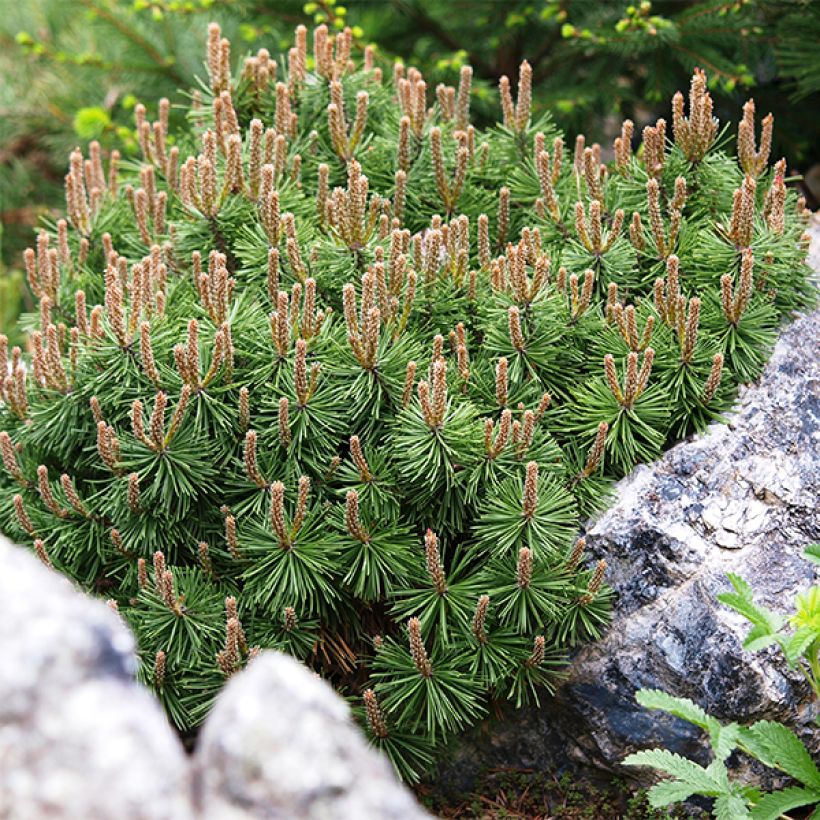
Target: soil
529, 795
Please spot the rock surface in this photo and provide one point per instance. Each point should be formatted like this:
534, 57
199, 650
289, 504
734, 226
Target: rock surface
78, 737
280, 743
741, 498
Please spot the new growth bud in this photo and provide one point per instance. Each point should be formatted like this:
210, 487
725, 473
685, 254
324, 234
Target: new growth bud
417, 649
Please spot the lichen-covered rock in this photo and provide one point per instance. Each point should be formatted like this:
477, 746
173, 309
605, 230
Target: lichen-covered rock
280, 743
78, 737
742, 498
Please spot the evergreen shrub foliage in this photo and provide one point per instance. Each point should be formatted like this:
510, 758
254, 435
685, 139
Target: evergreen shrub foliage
331, 370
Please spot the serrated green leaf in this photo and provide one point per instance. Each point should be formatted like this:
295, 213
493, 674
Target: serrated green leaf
724, 739
759, 637
679, 707
742, 603
795, 646
730, 807
742, 587
784, 750
812, 552
699, 779
669, 791
777, 803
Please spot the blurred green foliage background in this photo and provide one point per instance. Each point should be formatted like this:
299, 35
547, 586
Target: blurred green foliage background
72, 70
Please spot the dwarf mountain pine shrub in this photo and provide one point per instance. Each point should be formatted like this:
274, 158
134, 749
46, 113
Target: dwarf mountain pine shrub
333, 371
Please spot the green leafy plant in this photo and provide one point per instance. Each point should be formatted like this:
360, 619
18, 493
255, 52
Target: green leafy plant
797, 637
769, 742
355, 371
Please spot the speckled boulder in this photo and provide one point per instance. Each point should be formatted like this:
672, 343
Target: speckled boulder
280, 743
78, 737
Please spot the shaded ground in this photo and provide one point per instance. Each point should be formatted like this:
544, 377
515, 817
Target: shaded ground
533, 795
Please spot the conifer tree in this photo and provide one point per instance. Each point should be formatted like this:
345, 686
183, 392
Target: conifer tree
332, 371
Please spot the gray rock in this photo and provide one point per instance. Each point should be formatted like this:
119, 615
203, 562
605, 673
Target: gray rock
741, 498
744, 501
78, 737
280, 743
813, 259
